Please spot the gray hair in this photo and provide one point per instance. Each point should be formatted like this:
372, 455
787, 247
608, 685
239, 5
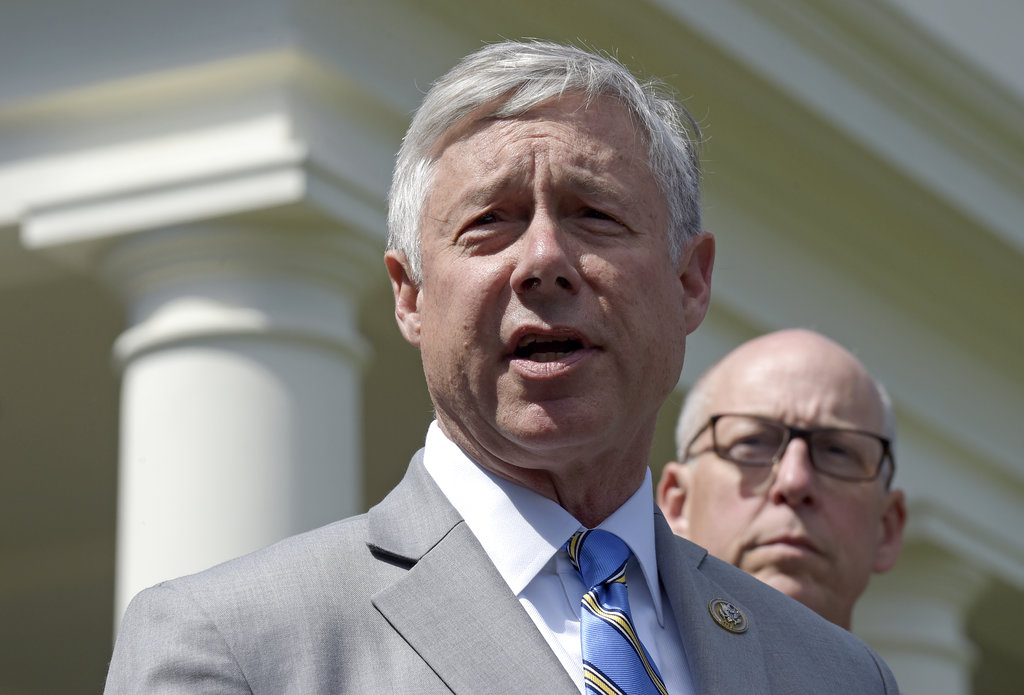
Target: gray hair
694, 413
517, 77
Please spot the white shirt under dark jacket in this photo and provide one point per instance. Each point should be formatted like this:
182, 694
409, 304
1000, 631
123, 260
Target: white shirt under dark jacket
522, 533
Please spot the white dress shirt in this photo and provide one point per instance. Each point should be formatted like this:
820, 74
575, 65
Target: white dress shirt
523, 532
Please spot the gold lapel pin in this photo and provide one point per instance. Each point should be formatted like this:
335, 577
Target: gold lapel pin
728, 615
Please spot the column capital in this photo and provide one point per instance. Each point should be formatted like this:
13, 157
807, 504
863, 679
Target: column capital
219, 280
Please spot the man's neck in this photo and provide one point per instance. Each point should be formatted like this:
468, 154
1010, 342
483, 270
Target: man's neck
590, 487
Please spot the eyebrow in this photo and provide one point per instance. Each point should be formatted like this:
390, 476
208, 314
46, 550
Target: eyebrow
601, 188
587, 186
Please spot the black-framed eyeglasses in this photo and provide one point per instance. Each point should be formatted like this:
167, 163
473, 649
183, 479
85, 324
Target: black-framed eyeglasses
756, 441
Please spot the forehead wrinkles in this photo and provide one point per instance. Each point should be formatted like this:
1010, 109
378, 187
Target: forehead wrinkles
515, 152
516, 141
571, 118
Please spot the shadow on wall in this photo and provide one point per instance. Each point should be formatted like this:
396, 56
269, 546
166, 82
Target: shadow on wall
58, 486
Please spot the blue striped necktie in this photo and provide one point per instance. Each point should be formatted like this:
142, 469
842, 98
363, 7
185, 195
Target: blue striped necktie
614, 661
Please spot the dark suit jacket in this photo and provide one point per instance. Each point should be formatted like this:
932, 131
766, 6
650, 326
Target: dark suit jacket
404, 600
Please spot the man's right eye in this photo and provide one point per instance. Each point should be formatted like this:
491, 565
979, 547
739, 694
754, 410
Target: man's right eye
753, 444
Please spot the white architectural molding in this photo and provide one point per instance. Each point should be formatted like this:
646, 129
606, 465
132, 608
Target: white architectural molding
810, 52
148, 130
986, 32
240, 149
988, 547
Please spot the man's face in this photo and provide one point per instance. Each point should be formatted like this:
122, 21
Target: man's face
550, 317
813, 537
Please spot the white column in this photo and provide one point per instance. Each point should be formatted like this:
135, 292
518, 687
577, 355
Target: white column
240, 412
916, 618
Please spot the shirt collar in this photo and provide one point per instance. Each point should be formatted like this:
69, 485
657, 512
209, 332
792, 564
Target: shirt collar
521, 530
633, 522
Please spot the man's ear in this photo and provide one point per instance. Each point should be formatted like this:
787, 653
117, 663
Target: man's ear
695, 265
407, 296
670, 495
894, 518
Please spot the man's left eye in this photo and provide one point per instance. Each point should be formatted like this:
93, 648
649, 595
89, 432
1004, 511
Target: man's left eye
598, 215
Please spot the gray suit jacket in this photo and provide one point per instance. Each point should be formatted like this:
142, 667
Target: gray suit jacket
404, 600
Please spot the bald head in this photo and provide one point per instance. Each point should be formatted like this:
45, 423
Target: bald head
792, 369
813, 536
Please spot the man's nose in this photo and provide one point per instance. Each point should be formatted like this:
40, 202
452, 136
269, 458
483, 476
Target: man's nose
547, 261
794, 481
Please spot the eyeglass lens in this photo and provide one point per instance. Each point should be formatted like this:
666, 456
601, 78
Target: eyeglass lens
755, 442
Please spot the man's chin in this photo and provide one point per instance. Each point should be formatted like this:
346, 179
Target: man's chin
553, 425
794, 586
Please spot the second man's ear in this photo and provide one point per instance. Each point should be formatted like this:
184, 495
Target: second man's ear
891, 524
670, 495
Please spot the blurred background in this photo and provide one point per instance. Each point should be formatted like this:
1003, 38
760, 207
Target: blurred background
199, 354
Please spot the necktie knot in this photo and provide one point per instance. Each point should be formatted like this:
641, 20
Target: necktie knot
599, 556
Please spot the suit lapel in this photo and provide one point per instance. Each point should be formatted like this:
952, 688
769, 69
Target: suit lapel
719, 661
452, 606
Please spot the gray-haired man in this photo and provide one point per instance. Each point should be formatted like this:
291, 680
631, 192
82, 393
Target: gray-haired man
547, 259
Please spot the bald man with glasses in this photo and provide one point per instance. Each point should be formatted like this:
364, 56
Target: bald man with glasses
785, 470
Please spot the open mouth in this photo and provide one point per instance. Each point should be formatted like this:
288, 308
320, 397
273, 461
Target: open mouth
545, 349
